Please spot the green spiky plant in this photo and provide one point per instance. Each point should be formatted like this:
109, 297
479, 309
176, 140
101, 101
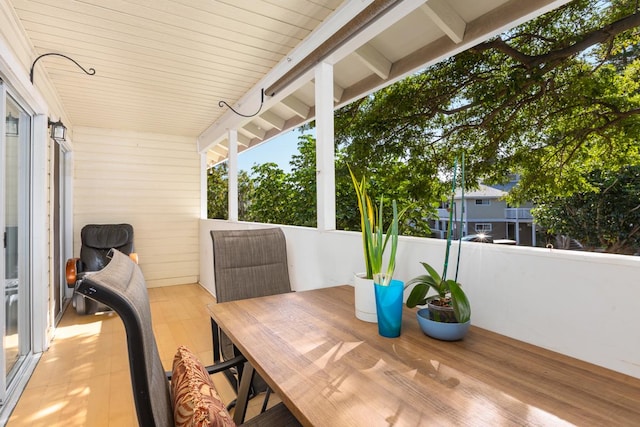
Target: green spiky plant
449, 291
374, 240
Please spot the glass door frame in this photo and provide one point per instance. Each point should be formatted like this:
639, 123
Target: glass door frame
34, 268
65, 243
3, 151
23, 214
15, 82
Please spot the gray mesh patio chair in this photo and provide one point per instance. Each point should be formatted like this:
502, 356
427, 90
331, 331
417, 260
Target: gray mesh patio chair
246, 264
121, 286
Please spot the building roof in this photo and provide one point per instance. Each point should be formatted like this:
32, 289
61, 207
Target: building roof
483, 192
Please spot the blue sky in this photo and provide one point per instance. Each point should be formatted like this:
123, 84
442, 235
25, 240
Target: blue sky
279, 150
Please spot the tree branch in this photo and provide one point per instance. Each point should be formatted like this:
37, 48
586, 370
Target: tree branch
537, 61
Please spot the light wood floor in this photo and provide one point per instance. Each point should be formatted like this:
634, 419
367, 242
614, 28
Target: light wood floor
83, 378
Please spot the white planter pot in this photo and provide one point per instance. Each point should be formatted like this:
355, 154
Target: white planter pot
365, 297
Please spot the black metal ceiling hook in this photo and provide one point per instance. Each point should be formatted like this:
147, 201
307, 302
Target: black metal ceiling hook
223, 103
90, 72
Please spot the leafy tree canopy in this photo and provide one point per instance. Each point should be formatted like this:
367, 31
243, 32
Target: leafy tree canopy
606, 217
218, 192
550, 100
555, 100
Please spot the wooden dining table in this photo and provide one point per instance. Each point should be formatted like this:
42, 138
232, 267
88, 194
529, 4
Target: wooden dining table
331, 369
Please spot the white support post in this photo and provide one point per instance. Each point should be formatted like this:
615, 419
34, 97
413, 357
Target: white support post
325, 150
204, 187
533, 234
233, 174
40, 235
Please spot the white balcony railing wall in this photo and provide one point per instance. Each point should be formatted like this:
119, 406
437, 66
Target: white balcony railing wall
580, 304
509, 213
518, 213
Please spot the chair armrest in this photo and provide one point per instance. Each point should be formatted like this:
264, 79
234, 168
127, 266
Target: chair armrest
218, 367
227, 364
72, 269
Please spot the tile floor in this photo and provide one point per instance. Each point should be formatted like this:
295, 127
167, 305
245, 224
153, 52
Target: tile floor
83, 378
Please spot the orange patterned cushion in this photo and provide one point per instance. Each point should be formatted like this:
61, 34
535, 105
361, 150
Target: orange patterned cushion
195, 400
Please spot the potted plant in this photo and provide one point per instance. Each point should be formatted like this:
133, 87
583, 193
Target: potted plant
448, 312
374, 243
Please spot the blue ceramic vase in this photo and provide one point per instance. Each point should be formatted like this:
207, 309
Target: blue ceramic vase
389, 308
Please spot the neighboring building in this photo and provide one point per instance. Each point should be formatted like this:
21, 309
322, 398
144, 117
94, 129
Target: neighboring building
486, 212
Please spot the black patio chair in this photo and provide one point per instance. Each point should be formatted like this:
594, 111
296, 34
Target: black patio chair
121, 286
96, 242
246, 264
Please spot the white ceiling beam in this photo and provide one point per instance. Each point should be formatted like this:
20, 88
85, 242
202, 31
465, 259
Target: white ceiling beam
296, 106
212, 157
243, 140
273, 119
446, 19
390, 18
254, 130
374, 60
219, 150
337, 92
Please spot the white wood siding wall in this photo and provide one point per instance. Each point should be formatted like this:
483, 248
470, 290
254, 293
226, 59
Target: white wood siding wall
151, 181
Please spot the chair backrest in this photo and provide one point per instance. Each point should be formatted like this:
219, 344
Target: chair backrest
121, 286
249, 263
98, 239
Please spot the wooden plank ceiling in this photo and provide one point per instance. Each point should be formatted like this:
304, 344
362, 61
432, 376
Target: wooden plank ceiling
163, 65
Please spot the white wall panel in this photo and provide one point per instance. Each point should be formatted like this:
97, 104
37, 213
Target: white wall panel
151, 181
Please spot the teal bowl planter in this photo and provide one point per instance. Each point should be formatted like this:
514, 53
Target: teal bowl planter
440, 330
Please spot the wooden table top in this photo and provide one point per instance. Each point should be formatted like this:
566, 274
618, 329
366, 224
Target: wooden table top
332, 369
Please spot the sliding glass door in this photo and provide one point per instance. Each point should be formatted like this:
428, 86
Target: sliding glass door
15, 138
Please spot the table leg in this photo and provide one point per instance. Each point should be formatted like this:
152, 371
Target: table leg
243, 393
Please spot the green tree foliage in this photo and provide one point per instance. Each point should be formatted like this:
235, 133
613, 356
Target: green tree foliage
347, 215
286, 198
245, 191
218, 192
606, 217
302, 181
271, 195
268, 194
390, 182
550, 100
